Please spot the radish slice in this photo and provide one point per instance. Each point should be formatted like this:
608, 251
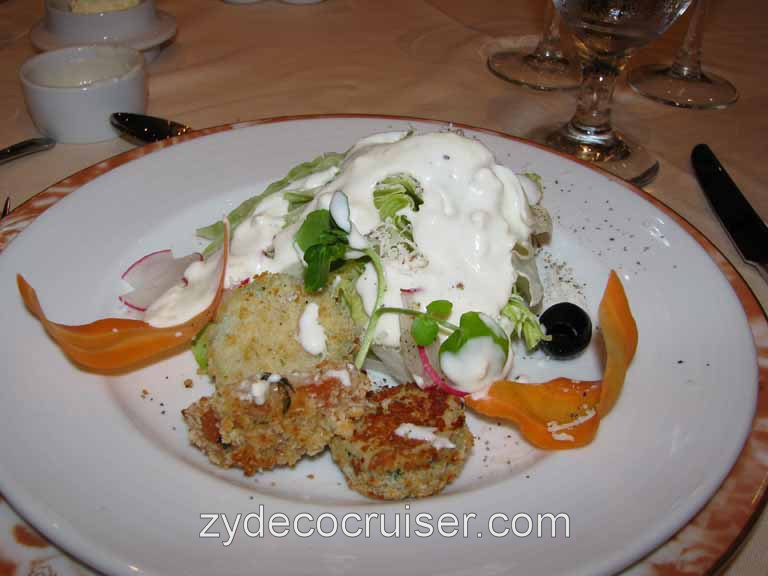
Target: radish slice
152, 275
339, 209
391, 361
436, 377
114, 345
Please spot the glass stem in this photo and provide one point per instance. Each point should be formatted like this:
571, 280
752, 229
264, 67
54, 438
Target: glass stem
687, 64
548, 47
592, 120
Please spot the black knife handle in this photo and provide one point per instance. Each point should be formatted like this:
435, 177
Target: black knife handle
744, 225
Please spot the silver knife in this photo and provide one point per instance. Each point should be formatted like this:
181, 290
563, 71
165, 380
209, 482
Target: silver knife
745, 227
24, 148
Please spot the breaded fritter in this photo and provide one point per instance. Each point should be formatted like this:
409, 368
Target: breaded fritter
381, 464
255, 330
299, 417
308, 401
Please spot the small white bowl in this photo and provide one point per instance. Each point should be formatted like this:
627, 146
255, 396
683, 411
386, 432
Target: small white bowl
71, 92
96, 27
142, 27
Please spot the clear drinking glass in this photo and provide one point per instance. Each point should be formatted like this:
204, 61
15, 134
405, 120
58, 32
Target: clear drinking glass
606, 32
684, 84
546, 68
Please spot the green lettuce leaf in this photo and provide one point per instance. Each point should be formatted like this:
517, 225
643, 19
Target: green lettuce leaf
200, 348
347, 275
395, 193
215, 232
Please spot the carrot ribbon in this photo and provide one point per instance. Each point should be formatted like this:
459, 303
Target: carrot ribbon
565, 413
117, 344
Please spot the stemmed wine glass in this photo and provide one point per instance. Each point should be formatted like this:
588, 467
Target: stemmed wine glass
684, 84
546, 68
606, 32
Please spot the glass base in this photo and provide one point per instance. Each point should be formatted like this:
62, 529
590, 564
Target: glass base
531, 71
614, 153
705, 91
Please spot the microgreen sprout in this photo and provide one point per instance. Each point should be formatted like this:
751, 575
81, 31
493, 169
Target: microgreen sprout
525, 324
424, 329
324, 245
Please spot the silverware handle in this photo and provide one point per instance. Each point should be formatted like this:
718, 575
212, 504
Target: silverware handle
24, 148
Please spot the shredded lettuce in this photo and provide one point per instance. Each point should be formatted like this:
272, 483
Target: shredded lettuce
525, 324
395, 193
215, 232
297, 200
347, 275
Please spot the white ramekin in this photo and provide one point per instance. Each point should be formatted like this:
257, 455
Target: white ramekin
71, 92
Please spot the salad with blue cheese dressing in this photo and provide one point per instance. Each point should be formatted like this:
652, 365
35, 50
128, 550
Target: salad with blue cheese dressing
430, 217
429, 243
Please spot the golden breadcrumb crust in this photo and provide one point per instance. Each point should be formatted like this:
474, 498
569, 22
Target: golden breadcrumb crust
256, 330
380, 464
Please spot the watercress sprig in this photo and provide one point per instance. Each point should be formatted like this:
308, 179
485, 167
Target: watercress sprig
324, 245
475, 325
424, 329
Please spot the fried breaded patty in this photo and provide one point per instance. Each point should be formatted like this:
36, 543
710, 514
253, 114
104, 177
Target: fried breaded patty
300, 415
381, 464
256, 328
312, 397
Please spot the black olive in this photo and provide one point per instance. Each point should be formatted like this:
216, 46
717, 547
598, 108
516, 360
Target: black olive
570, 329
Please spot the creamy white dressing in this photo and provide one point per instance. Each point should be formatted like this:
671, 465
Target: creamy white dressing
262, 242
423, 433
84, 71
259, 391
478, 364
553, 426
249, 252
183, 302
469, 222
314, 180
311, 334
257, 388
378, 138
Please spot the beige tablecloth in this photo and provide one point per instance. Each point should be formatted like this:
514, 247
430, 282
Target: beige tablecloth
413, 57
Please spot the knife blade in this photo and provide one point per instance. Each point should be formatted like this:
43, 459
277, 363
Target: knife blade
745, 227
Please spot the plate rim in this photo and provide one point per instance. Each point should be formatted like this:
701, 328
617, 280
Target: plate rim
697, 548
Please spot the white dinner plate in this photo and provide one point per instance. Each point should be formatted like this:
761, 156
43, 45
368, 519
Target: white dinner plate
102, 466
